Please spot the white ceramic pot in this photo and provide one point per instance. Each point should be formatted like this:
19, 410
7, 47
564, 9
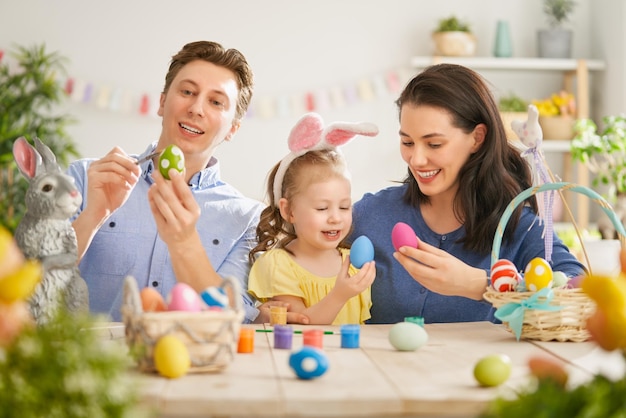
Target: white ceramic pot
454, 44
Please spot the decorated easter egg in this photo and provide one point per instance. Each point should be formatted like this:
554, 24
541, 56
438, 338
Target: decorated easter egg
407, 336
151, 300
504, 276
538, 274
184, 298
215, 296
171, 157
559, 279
171, 357
492, 370
403, 235
308, 362
361, 252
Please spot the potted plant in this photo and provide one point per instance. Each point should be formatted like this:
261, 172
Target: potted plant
556, 42
29, 94
604, 154
557, 114
512, 107
453, 37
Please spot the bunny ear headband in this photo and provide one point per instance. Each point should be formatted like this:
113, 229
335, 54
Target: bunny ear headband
309, 134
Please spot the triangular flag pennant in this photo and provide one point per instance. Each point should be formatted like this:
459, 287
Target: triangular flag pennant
69, 86
282, 106
87, 93
78, 91
102, 100
144, 105
309, 101
366, 91
1, 54
336, 97
322, 101
393, 83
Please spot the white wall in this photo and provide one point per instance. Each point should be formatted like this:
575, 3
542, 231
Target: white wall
293, 46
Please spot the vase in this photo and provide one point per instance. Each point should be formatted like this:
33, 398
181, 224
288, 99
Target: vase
503, 47
554, 43
557, 127
603, 256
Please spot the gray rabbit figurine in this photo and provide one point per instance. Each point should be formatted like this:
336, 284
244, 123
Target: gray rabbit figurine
45, 232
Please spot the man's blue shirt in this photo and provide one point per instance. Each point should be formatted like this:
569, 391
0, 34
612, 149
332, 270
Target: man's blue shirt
128, 242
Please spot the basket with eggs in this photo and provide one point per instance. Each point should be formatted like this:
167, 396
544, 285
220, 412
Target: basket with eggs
189, 332
541, 304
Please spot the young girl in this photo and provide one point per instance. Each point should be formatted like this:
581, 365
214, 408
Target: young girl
301, 233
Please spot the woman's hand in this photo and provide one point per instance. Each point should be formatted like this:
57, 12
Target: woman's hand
440, 272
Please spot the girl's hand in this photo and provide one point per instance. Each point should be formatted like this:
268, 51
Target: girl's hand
440, 272
347, 286
292, 317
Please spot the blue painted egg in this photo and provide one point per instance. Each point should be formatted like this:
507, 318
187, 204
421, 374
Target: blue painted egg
308, 362
361, 252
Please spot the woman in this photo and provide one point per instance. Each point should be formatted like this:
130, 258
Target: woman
462, 173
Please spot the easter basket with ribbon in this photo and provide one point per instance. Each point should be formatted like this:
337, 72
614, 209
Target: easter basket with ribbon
551, 313
210, 336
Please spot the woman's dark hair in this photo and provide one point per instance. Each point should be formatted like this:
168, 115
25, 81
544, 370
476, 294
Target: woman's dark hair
492, 176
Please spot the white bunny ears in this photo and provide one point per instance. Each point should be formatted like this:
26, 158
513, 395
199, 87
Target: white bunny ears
309, 134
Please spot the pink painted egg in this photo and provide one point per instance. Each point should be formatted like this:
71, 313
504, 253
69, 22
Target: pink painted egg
403, 235
184, 298
538, 274
504, 276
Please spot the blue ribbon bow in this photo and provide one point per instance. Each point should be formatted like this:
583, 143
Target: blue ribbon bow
513, 312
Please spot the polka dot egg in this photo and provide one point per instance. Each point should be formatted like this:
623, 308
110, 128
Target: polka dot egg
538, 274
171, 157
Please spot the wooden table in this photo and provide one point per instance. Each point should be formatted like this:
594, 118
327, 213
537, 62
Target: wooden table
372, 380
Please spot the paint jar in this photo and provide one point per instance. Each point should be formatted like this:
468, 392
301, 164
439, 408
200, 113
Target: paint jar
283, 336
246, 340
278, 315
415, 319
350, 335
313, 338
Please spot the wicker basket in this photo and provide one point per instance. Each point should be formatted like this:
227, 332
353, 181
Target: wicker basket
568, 323
210, 336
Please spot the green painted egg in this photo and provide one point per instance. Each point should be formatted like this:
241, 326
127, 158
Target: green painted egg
407, 336
171, 157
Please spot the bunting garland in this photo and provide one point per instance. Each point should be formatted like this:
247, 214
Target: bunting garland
366, 89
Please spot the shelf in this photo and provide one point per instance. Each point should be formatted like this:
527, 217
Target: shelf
491, 63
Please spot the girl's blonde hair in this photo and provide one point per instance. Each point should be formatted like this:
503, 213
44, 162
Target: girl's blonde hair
312, 167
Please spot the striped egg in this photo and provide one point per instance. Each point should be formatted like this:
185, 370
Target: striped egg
538, 274
504, 276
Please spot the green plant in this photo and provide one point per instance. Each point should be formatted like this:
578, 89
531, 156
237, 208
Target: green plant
452, 24
512, 103
599, 397
29, 95
558, 11
604, 153
64, 369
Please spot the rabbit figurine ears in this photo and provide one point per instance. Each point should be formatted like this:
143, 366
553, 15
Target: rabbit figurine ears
309, 134
529, 131
34, 161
